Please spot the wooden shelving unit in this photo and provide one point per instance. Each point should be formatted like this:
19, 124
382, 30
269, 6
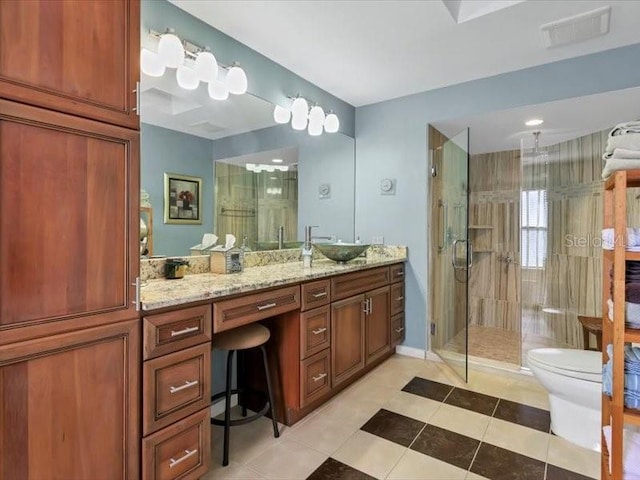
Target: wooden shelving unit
614, 412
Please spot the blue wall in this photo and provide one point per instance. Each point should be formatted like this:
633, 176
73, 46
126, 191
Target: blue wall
391, 141
267, 79
161, 151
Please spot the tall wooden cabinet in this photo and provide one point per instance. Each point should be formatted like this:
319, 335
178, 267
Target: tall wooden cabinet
69, 199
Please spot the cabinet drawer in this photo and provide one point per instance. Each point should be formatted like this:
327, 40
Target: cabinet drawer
397, 329
175, 386
180, 451
350, 284
172, 331
397, 298
315, 331
314, 377
397, 272
315, 294
251, 308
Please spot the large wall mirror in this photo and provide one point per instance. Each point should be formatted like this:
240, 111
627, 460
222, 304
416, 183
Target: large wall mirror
259, 178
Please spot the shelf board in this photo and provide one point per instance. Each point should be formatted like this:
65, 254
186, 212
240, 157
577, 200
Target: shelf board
481, 227
632, 416
482, 251
632, 256
632, 335
633, 179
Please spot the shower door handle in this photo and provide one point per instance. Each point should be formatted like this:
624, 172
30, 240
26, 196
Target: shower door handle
442, 206
470, 253
454, 258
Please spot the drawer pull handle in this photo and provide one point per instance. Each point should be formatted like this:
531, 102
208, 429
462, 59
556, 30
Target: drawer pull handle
266, 305
186, 385
319, 295
398, 330
319, 377
187, 454
184, 331
399, 299
400, 273
319, 331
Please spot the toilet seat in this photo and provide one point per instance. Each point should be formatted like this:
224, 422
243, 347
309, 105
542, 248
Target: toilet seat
580, 364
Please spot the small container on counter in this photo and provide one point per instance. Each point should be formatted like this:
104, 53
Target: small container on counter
175, 268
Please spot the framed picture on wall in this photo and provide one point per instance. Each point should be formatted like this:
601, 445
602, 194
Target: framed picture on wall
182, 199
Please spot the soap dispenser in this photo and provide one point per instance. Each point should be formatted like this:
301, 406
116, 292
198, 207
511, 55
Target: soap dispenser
307, 249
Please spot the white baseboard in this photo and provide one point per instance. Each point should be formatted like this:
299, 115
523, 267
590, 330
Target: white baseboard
410, 351
432, 356
218, 407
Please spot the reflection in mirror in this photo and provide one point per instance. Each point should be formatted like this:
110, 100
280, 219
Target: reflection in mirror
231, 145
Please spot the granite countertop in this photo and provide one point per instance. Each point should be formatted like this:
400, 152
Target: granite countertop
162, 293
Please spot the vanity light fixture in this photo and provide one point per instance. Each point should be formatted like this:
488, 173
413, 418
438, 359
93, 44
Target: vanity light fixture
534, 122
193, 64
314, 120
261, 167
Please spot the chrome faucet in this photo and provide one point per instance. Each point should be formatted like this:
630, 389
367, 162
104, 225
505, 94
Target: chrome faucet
280, 237
307, 236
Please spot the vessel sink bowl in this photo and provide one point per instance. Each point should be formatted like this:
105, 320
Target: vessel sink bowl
341, 252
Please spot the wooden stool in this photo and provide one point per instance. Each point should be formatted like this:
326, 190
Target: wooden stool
238, 339
591, 325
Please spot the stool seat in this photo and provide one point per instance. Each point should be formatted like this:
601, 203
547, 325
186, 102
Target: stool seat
591, 325
242, 338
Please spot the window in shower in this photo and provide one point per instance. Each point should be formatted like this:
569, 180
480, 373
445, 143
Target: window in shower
533, 215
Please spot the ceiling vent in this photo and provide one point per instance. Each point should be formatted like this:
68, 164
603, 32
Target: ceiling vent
578, 28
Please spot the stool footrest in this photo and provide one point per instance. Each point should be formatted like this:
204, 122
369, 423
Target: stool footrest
243, 420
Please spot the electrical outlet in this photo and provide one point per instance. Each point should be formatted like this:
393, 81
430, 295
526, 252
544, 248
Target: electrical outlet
378, 240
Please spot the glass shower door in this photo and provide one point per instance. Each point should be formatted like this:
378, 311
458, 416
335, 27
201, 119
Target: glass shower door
453, 255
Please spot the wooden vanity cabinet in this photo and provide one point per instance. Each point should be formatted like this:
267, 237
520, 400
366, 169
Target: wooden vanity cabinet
377, 324
70, 356
347, 338
176, 393
397, 305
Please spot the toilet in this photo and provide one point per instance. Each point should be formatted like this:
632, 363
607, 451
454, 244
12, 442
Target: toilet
573, 379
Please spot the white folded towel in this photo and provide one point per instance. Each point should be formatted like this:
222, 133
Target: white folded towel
608, 238
616, 164
624, 128
625, 153
630, 141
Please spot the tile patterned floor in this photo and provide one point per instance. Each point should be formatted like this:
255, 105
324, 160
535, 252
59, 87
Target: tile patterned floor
413, 420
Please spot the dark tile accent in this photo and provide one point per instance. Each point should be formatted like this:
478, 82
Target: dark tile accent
428, 389
525, 415
478, 402
557, 473
334, 470
499, 464
394, 427
447, 446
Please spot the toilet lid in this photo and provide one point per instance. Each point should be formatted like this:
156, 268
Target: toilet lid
582, 361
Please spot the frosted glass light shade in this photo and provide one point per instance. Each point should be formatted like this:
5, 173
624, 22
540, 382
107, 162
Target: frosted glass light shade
170, 50
218, 90
299, 121
151, 64
331, 123
299, 108
236, 81
316, 120
187, 77
281, 114
206, 67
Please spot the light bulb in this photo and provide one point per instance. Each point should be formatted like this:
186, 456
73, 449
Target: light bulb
300, 107
206, 66
170, 50
151, 63
218, 90
187, 78
298, 121
316, 120
281, 114
331, 123
236, 81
